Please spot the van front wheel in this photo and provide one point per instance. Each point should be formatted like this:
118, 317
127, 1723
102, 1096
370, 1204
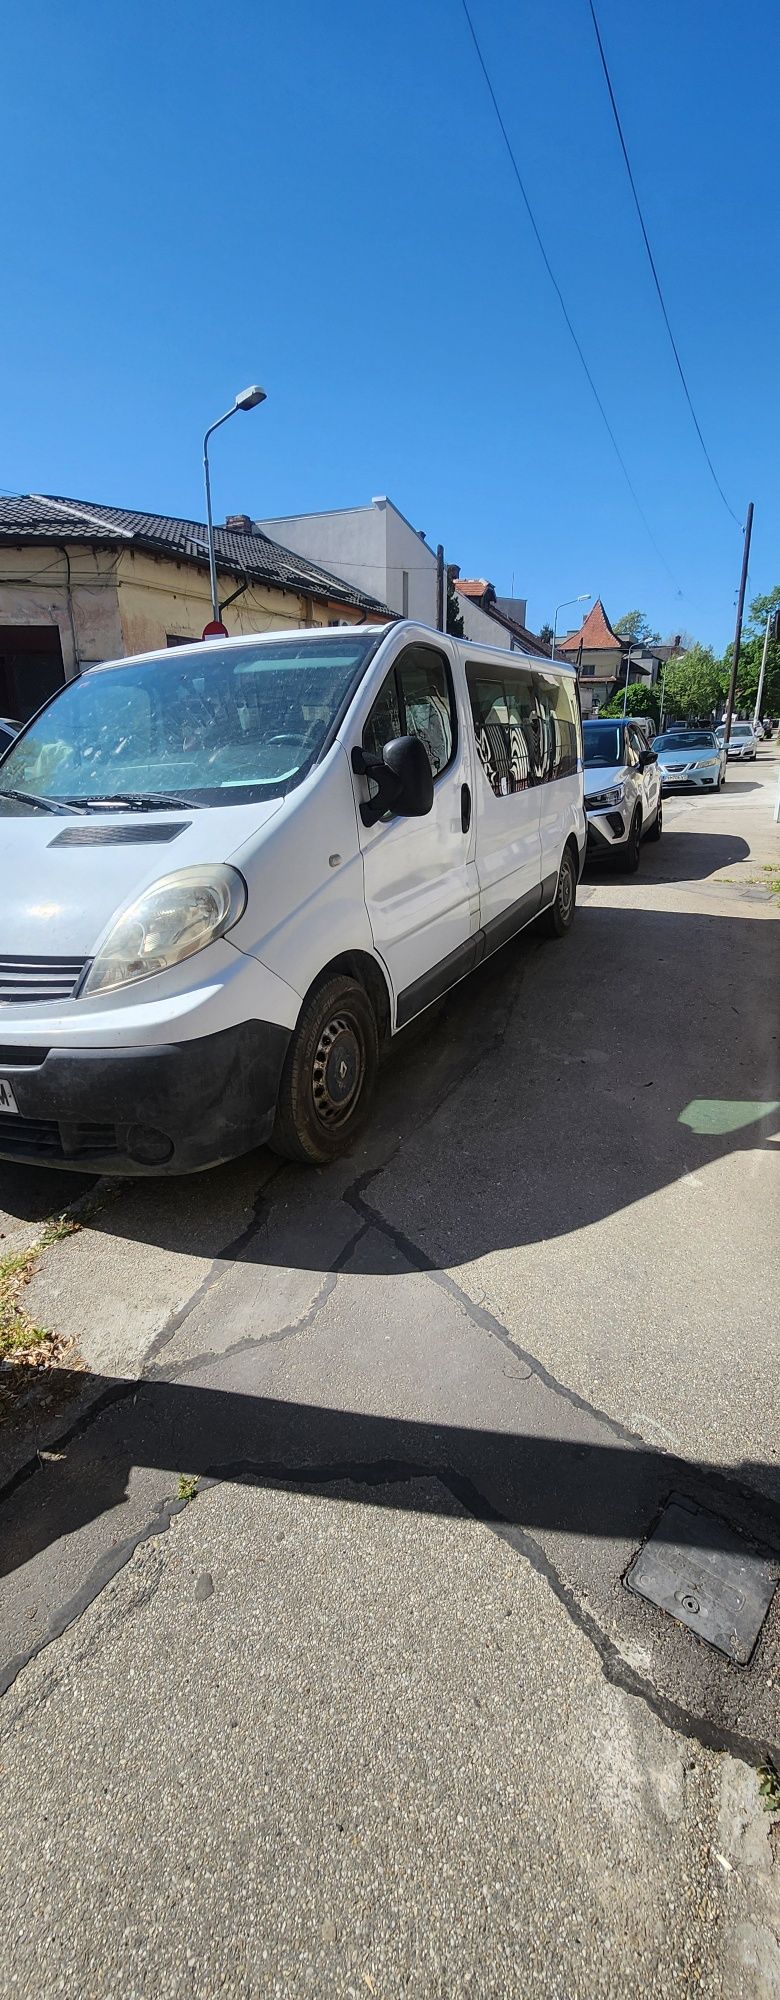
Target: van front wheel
329, 1074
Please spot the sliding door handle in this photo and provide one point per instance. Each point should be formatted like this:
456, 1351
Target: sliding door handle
465, 808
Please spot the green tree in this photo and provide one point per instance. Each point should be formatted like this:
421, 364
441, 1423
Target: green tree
641, 700
695, 685
635, 627
454, 620
545, 634
750, 654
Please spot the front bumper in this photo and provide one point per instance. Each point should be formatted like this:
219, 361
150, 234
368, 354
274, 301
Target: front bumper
169, 1109
607, 829
691, 780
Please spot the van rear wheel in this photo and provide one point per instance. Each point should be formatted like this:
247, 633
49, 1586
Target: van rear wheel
329, 1074
558, 919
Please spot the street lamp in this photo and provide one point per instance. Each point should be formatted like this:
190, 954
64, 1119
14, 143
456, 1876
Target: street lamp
632, 649
584, 598
247, 400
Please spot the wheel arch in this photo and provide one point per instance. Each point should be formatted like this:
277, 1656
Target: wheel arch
361, 966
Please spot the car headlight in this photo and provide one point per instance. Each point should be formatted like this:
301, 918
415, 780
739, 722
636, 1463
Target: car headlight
615, 795
708, 764
177, 916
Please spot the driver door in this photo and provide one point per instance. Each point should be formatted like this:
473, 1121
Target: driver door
420, 879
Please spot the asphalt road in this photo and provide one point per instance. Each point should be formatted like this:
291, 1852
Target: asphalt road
374, 1712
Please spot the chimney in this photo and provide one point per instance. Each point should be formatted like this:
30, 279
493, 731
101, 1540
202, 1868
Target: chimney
240, 524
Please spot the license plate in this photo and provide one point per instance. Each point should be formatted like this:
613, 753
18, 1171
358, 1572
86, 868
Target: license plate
7, 1099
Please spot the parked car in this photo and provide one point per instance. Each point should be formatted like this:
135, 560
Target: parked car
690, 757
742, 742
623, 799
232, 870
647, 726
8, 732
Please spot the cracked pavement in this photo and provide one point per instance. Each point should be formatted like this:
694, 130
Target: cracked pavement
376, 1713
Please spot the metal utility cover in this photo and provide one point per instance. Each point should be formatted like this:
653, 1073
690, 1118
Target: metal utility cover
706, 1575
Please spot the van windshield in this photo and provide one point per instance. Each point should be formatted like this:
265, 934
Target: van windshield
218, 725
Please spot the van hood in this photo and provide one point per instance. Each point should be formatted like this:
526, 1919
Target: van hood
63, 877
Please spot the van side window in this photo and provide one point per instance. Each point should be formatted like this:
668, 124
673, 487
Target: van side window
506, 727
416, 700
557, 703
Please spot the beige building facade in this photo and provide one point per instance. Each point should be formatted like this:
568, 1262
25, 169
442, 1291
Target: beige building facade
80, 584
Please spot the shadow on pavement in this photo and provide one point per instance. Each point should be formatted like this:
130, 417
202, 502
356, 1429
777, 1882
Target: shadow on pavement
558, 1086
573, 1487
679, 856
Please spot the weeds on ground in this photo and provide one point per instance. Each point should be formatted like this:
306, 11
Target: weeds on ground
769, 1786
187, 1488
20, 1337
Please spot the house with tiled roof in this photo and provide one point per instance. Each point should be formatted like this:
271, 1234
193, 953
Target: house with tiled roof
81, 583
493, 621
603, 658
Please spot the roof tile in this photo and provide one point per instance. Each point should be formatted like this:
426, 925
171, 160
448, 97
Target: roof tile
45, 518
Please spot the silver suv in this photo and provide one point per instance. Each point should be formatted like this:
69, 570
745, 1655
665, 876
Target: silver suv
622, 790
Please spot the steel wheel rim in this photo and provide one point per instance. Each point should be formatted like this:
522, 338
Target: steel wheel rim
566, 890
338, 1071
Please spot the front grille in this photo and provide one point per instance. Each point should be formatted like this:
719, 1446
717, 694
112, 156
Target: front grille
44, 1139
32, 980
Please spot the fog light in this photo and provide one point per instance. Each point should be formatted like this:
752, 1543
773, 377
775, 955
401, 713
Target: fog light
149, 1147
617, 823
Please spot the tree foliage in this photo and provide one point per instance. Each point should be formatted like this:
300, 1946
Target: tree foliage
454, 620
545, 634
750, 653
634, 626
696, 685
640, 700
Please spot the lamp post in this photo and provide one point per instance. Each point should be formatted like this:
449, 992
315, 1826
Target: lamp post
632, 649
247, 400
584, 598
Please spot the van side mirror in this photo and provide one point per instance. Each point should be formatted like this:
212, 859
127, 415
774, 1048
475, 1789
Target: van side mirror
647, 757
402, 775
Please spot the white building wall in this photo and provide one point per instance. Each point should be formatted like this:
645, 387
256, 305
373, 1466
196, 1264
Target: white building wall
479, 626
372, 547
407, 556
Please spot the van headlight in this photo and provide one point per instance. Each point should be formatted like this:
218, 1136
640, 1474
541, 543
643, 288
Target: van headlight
177, 916
615, 795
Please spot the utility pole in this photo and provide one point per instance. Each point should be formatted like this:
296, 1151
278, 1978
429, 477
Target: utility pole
441, 623
738, 629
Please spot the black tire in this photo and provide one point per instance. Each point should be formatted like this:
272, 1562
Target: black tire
329, 1074
633, 847
657, 827
559, 918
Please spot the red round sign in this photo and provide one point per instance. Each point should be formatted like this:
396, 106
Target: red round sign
215, 629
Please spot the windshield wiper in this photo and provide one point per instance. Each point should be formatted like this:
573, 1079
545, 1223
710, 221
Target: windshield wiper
33, 799
137, 802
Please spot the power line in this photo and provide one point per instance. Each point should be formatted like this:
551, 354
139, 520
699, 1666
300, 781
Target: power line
562, 302
651, 260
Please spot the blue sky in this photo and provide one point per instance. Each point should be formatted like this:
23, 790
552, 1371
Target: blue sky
318, 198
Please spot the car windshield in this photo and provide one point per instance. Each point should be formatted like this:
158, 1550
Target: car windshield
689, 739
219, 725
603, 743
741, 729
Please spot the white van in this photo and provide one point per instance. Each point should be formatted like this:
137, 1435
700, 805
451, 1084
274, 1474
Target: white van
231, 871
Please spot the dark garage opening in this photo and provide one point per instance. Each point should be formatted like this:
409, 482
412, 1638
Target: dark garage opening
30, 668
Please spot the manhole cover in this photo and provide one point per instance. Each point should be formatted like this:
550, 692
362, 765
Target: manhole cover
701, 1571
